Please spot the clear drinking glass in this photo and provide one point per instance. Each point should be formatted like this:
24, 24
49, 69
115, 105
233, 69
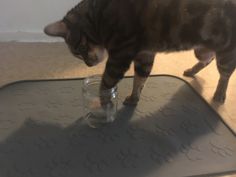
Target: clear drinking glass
95, 113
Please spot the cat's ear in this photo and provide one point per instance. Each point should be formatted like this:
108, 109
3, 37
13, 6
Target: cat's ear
58, 29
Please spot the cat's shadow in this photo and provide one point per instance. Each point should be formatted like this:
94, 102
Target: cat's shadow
125, 148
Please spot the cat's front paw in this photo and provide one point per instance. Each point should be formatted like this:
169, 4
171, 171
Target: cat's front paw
189, 72
131, 101
105, 103
219, 97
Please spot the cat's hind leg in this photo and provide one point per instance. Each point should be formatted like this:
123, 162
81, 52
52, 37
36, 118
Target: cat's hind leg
226, 64
205, 57
143, 64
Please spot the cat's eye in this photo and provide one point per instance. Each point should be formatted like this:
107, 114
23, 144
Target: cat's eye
82, 48
77, 45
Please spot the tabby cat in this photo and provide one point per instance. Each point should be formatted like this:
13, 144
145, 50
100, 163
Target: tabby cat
135, 30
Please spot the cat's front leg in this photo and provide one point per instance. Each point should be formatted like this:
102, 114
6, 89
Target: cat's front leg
143, 64
114, 71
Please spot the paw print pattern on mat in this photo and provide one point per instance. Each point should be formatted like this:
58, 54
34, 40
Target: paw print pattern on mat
190, 127
221, 150
146, 98
160, 130
160, 157
106, 137
17, 171
128, 158
192, 153
136, 133
140, 113
66, 90
168, 111
44, 143
58, 166
94, 165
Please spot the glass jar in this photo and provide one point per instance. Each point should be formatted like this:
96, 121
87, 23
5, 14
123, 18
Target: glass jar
96, 113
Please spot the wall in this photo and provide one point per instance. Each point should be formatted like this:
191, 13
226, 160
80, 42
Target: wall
24, 20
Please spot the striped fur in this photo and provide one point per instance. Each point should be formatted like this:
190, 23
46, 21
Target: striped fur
135, 30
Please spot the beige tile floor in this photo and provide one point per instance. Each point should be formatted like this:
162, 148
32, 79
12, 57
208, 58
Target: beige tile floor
23, 61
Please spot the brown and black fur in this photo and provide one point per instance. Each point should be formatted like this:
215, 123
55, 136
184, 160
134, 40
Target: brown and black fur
135, 30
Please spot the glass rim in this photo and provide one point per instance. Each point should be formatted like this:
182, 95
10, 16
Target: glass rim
97, 78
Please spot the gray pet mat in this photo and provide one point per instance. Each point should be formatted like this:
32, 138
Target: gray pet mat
171, 133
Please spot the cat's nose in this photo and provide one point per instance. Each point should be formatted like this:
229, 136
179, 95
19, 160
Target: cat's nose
89, 64
79, 57
91, 61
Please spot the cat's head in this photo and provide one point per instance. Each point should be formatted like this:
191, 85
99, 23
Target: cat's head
78, 43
